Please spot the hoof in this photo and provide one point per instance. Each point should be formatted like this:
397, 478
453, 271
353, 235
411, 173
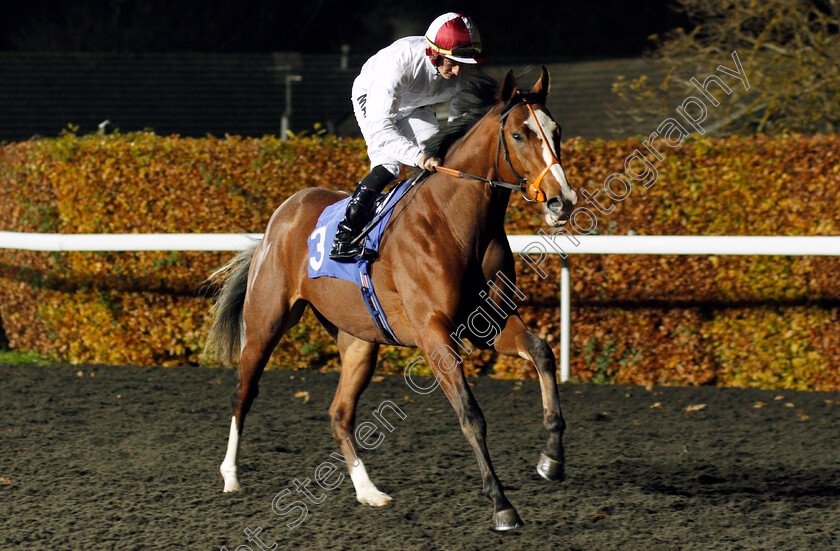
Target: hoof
231, 480
550, 469
232, 487
374, 498
507, 520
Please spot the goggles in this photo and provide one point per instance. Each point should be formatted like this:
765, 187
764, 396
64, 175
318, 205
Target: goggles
471, 51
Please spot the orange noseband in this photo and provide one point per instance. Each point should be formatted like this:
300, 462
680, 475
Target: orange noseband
533, 191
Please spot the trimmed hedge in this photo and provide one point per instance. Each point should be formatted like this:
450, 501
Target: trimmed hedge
735, 321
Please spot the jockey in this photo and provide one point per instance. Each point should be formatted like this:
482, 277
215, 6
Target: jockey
392, 100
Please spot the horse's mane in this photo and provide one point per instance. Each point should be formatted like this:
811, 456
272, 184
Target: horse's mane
478, 96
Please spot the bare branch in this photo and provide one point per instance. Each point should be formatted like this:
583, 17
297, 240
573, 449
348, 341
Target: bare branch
790, 50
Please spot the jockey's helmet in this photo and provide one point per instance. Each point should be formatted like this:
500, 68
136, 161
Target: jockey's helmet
454, 36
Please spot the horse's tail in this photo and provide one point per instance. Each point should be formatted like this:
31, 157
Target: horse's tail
225, 338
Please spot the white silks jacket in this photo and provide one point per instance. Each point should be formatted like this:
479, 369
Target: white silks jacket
392, 84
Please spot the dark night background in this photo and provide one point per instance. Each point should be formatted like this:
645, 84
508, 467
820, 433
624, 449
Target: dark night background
556, 30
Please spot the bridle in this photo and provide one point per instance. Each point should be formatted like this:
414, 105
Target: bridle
530, 192
536, 193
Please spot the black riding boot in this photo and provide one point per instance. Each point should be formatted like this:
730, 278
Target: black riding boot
357, 214
352, 224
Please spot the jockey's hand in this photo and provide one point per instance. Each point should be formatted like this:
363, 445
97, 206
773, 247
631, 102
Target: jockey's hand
427, 162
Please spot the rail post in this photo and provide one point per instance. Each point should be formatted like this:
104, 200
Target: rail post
565, 319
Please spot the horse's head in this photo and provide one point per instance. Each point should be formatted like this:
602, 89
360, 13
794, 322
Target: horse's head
530, 143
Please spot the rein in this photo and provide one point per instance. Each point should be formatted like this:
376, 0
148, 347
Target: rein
529, 192
495, 183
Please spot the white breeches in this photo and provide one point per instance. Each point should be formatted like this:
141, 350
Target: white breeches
420, 125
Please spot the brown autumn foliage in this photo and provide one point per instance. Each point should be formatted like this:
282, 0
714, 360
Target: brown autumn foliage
734, 321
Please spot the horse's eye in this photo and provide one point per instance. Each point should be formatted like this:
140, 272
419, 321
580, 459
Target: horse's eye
517, 137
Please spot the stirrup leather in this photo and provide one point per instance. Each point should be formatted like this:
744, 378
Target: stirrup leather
352, 224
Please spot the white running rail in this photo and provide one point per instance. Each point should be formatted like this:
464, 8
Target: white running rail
102, 242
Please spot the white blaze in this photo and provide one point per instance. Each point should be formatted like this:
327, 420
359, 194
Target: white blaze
549, 127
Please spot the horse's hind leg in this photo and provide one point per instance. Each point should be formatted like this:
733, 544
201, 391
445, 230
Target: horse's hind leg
358, 360
517, 340
266, 316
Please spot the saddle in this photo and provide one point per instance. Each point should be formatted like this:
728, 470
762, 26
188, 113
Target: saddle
319, 263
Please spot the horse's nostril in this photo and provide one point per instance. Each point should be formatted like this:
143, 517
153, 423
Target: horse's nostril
554, 205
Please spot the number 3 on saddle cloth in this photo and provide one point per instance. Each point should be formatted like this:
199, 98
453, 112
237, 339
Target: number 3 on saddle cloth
320, 264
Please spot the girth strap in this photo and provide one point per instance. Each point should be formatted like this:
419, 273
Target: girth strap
372, 303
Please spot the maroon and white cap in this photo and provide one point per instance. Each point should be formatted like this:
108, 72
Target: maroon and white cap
455, 36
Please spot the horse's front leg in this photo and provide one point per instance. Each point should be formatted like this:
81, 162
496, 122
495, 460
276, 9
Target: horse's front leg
439, 348
517, 340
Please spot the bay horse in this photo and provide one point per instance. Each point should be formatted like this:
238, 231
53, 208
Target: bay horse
443, 250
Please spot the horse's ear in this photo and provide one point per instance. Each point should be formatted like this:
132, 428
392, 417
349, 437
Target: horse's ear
508, 87
541, 87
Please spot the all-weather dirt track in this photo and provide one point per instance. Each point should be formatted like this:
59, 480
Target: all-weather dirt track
103, 457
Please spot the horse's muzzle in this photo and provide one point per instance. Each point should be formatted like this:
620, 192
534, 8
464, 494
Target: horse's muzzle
557, 211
